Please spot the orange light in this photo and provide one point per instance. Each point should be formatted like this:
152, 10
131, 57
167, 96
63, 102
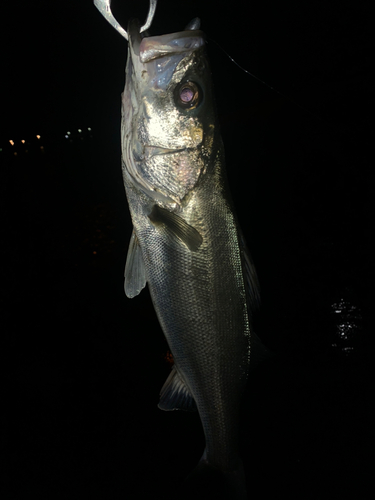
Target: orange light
169, 358
12, 142
22, 140
38, 136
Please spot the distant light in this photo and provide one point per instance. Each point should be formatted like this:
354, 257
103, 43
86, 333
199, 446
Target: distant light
12, 142
68, 133
15, 153
1, 149
79, 130
94, 252
67, 137
41, 147
89, 129
347, 349
23, 141
38, 136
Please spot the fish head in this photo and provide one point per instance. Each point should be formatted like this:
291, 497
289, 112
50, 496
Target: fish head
168, 114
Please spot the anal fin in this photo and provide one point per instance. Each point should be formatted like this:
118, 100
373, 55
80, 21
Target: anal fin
174, 394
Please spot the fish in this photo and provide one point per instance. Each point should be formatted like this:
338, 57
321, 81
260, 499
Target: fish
186, 243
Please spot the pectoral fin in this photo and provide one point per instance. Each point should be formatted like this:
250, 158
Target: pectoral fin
176, 226
174, 394
135, 274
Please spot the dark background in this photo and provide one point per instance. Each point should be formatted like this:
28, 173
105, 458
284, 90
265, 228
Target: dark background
84, 364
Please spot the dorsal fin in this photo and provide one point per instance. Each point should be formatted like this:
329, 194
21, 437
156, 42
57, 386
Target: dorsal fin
174, 394
250, 276
258, 351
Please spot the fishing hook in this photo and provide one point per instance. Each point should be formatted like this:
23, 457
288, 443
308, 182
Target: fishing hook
104, 7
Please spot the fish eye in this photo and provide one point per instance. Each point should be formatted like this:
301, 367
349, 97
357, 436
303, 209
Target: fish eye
188, 95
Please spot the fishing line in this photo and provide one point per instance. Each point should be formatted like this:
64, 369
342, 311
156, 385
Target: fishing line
265, 83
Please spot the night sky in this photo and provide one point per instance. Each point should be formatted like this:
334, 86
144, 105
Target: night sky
84, 364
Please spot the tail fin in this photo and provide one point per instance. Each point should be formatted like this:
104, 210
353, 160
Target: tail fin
207, 481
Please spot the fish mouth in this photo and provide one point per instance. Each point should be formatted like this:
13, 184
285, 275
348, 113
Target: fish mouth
135, 37
150, 151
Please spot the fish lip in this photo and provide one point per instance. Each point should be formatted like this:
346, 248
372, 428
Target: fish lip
150, 151
134, 37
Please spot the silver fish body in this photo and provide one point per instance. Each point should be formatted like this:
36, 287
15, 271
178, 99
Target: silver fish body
186, 241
